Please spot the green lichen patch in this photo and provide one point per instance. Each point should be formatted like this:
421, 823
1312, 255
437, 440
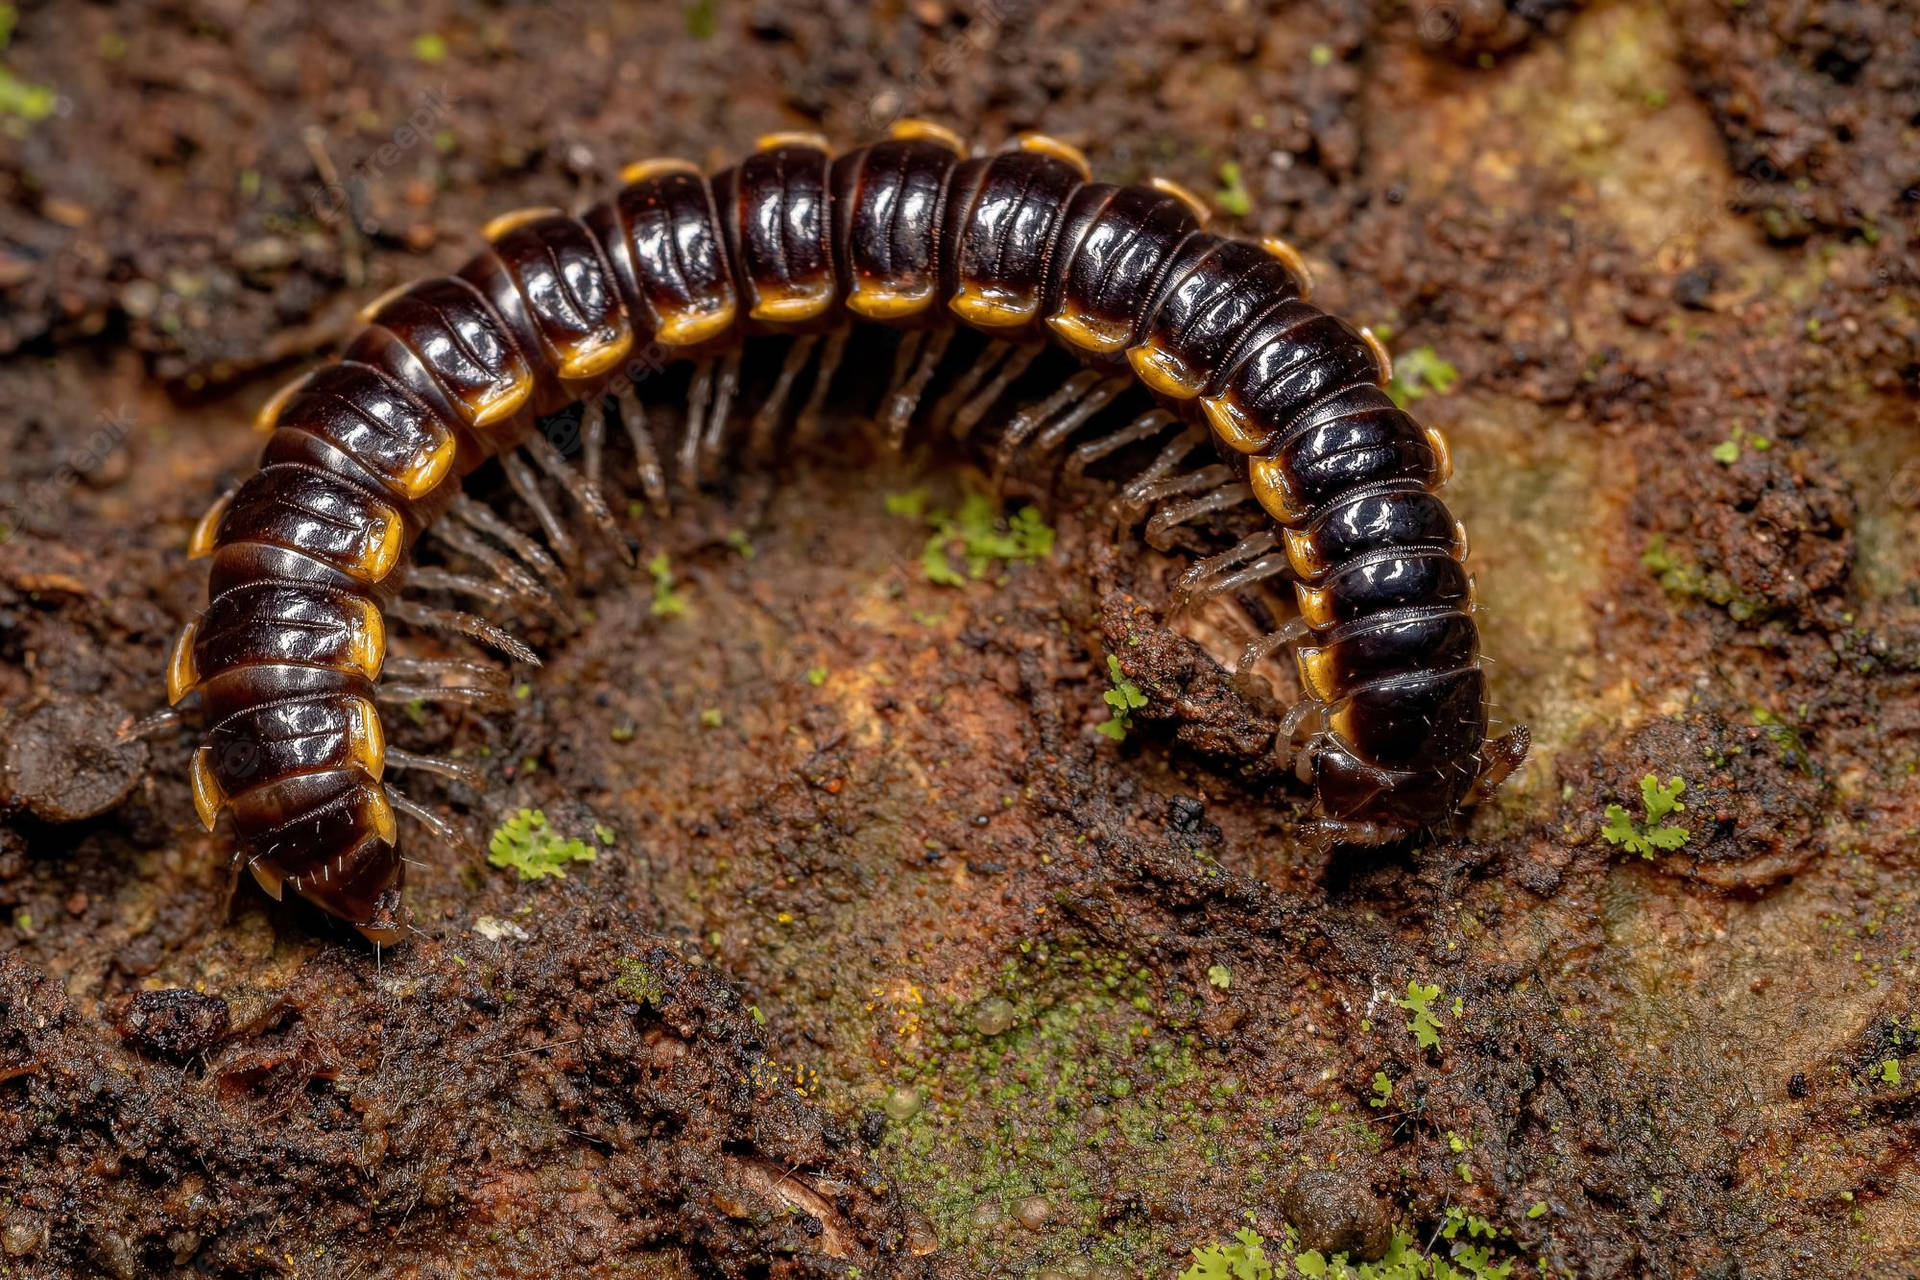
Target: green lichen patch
527, 844
1098, 1079
1451, 1254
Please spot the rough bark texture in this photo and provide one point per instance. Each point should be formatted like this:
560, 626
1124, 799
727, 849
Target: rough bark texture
888, 959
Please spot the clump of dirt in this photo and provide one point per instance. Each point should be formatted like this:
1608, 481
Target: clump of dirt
685, 1130
1816, 99
900, 949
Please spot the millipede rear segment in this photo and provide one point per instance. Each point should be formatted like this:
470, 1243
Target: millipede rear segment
312, 554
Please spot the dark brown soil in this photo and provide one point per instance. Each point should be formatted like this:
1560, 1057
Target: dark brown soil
887, 959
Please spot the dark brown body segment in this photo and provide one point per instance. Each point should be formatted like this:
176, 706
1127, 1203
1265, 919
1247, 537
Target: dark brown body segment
909, 232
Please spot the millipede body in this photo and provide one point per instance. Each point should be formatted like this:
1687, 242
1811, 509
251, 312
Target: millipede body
308, 556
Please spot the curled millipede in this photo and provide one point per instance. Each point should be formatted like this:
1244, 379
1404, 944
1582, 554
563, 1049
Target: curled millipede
309, 554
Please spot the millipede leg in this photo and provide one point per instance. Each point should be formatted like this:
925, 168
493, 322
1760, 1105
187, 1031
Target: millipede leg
766, 422
1286, 736
973, 410
472, 777
1258, 652
510, 571
904, 357
1500, 757
991, 356
900, 403
472, 626
1145, 427
1160, 480
434, 668
1050, 440
148, 725
725, 387
429, 578
1327, 833
807, 425
593, 439
580, 489
442, 829
653, 476
1144, 492
1267, 566
699, 392
526, 486
484, 519
1174, 514
426, 680
401, 692
1082, 396
1196, 585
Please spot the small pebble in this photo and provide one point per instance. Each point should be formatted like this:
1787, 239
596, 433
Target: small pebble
992, 1016
1034, 1212
22, 1235
64, 759
1334, 1214
904, 1104
986, 1214
921, 1239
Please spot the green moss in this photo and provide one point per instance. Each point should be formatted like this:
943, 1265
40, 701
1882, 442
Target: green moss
1786, 739
703, 19
1419, 372
527, 844
977, 534
1232, 196
638, 982
1125, 698
667, 603
1246, 1257
1644, 838
1098, 1069
1424, 1023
